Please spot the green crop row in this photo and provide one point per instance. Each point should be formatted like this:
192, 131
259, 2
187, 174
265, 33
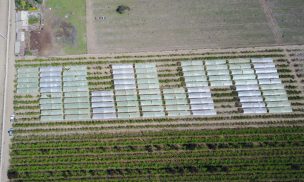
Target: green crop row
261, 153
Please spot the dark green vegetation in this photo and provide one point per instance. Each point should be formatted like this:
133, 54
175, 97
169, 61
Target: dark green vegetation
122, 9
33, 19
27, 4
242, 154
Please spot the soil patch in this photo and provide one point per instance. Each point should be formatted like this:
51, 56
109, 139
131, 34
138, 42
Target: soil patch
41, 41
55, 36
65, 32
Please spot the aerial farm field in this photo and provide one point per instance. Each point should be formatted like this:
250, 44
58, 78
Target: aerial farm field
64, 31
289, 17
73, 12
94, 26
174, 24
218, 115
148, 102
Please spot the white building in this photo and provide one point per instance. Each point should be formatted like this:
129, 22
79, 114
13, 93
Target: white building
22, 20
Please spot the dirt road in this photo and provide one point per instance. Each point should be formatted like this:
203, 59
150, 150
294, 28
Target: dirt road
7, 60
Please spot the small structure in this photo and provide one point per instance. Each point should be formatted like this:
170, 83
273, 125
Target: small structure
22, 20
21, 27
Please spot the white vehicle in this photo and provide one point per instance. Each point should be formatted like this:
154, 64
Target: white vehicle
12, 118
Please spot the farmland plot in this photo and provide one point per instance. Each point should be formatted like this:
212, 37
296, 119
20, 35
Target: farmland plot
64, 91
64, 30
262, 154
174, 24
197, 86
289, 16
179, 109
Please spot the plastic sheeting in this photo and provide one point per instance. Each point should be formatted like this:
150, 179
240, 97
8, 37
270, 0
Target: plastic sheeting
51, 69
192, 63
104, 116
206, 112
215, 62
254, 110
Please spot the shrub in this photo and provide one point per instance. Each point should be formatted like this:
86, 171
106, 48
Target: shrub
11, 173
122, 9
33, 20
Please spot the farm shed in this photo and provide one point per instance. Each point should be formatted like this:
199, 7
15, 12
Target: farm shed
194, 73
217, 67
278, 104
273, 92
254, 110
218, 72
263, 65
205, 100
279, 109
268, 76
242, 71
262, 60
210, 112
219, 77
198, 89
239, 66
244, 77
270, 81
215, 62
123, 76
238, 61
247, 87
191, 63
199, 95
202, 107
246, 82
249, 93
253, 105
221, 83
22, 20
244, 99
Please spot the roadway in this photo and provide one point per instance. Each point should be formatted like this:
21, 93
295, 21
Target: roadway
7, 72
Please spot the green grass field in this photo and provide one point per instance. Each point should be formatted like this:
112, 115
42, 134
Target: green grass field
76, 11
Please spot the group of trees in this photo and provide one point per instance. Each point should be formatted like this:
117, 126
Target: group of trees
27, 4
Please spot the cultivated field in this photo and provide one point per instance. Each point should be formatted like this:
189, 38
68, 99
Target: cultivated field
163, 148
260, 154
171, 24
94, 26
289, 17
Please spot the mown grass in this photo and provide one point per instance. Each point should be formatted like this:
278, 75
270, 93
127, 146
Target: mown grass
76, 11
